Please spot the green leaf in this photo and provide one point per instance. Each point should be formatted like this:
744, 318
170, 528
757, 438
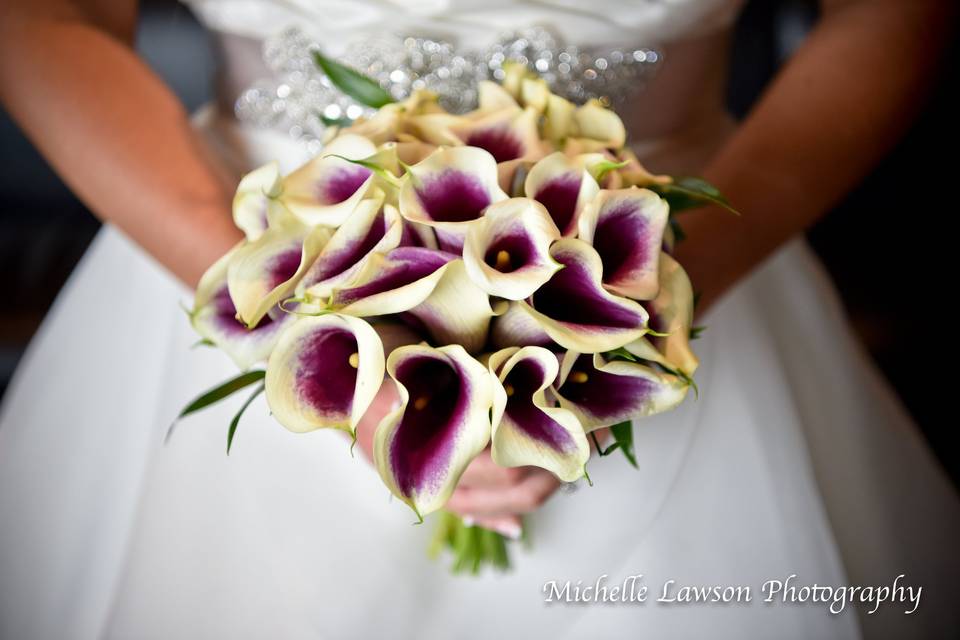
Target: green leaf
236, 419
688, 193
697, 331
222, 391
600, 450
623, 436
620, 353
373, 166
203, 342
353, 83
341, 122
679, 235
602, 168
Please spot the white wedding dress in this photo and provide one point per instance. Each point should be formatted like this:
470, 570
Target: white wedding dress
796, 459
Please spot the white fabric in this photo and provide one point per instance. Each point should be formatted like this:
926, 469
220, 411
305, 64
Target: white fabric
796, 459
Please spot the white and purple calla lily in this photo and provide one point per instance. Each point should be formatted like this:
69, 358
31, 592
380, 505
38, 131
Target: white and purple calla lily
671, 313
604, 392
564, 186
262, 273
513, 326
576, 311
443, 422
450, 189
456, 311
626, 226
508, 134
392, 283
326, 190
214, 317
255, 202
324, 373
598, 127
371, 228
527, 429
507, 251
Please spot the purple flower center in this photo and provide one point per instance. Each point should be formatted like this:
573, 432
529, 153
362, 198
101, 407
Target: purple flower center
621, 239
509, 253
453, 196
325, 379
424, 441
407, 265
603, 394
500, 142
283, 266
571, 296
559, 196
342, 183
524, 380
348, 256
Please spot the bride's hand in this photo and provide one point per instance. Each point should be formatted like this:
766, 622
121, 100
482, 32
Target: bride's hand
488, 495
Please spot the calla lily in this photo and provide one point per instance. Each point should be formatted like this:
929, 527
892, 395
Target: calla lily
564, 186
558, 120
671, 313
509, 134
513, 326
328, 188
214, 317
507, 251
262, 273
595, 122
449, 189
576, 311
392, 283
527, 430
602, 393
635, 174
324, 372
369, 229
383, 126
443, 422
456, 311
254, 204
626, 228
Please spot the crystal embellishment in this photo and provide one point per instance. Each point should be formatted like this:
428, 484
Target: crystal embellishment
299, 97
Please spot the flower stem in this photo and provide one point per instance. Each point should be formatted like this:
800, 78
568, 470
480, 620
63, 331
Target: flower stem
472, 547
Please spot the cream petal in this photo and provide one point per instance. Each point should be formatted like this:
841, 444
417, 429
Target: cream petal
456, 311
576, 311
564, 186
604, 392
450, 189
392, 283
626, 228
252, 204
514, 326
443, 422
324, 372
507, 251
326, 190
558, 121
214, 317
671, 312
527, 429
370, 229
262, 273
596, 122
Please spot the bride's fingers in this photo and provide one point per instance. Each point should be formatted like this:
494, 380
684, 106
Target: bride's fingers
483, 472
526, 496
507, 526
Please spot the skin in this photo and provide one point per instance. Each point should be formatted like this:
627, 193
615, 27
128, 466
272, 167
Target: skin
826, 120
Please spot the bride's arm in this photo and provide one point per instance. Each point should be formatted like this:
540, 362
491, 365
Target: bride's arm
111, 129
831, 114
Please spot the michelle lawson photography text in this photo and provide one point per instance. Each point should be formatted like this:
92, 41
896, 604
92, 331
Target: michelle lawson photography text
634, 589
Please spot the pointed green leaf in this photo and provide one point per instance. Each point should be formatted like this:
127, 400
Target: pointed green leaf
342, 121
236, 419
222, 391
353, 83
623, 436
688, 192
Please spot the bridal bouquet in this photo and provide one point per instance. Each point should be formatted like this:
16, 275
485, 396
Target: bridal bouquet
508, 269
